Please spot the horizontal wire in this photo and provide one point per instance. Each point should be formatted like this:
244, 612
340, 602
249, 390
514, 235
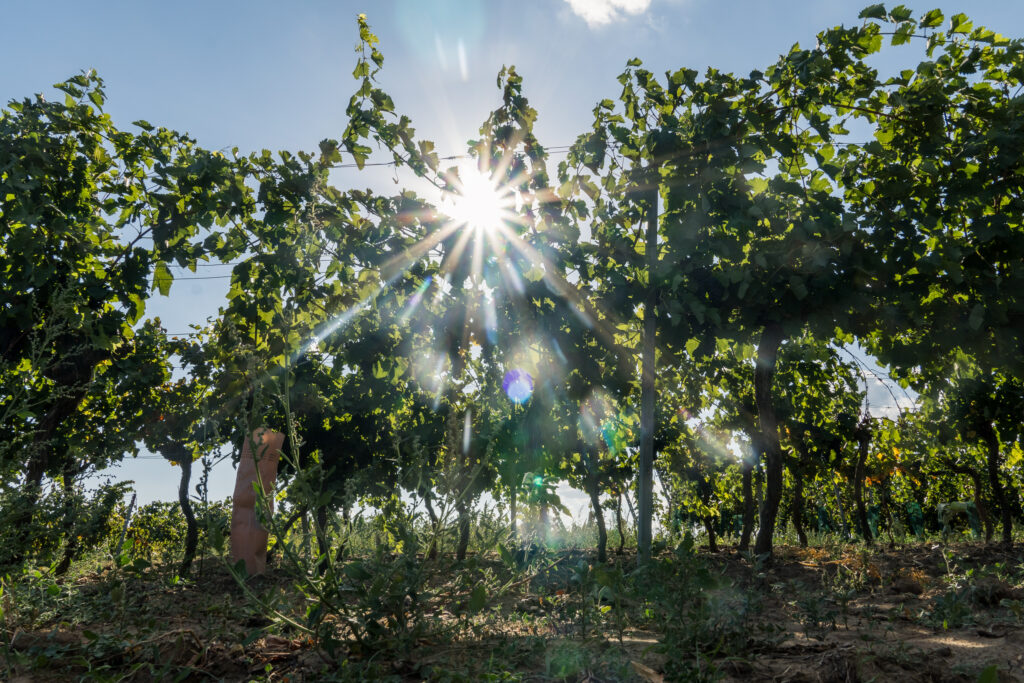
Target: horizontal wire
198, 277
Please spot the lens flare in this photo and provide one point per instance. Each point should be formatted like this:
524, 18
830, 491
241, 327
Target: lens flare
518, 386
490, 321
429, 371
597, 419
415, 299
478, 202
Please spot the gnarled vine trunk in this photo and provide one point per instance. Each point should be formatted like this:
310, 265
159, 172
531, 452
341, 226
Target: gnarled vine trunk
863, 435
748, 505
764, 376
798, 505
979, 501
620, 525
177, 453
463, 547
323, 542
999, 496
602, 531
435, 526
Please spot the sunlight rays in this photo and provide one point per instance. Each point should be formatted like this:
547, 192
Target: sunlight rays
478, 201
475, 233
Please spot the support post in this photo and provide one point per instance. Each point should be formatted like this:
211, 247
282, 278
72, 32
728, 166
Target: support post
260, 454
645, 493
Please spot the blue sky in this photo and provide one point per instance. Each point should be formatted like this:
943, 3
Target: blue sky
255, 74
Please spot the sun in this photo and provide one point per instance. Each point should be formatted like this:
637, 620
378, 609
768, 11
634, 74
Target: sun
478, 202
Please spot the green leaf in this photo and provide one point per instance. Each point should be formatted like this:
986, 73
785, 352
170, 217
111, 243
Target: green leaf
989, 675
900, 13
506, 555
604, 576
357, 571
691, 345
252, 635
478, 598
931, 19
277, 216
238, 569
959, 23
162, 278
873, 12
903, 34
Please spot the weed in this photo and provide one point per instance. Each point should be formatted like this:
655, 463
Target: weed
814, 616
700, 613
952, 609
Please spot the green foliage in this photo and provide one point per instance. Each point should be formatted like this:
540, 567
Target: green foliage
157, 530
702, 616
726, 229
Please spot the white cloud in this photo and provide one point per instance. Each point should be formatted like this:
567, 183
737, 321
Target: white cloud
601, 12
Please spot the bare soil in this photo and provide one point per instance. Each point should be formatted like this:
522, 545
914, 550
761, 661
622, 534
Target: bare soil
915, 613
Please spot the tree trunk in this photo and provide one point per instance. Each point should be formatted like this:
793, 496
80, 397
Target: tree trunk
463, 546
863, 436
704, 492
645, 479
798, 505
307, 551
619, 524
841, 509
513, 513
764, 376
602, 532
323, 543
993, 461
709, 528
979, 502
41, 452
71, 544
435, 527
748, 505
629, 506
543, 524
887, 512
191, 528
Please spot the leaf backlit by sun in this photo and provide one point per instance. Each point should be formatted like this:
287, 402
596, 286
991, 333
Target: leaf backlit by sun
478, 202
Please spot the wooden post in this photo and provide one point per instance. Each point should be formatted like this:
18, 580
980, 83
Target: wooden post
645, 483
248, 537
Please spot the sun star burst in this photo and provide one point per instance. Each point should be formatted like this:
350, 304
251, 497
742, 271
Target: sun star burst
478, 203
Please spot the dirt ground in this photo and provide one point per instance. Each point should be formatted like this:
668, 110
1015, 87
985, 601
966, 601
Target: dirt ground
892, 627
916, 613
